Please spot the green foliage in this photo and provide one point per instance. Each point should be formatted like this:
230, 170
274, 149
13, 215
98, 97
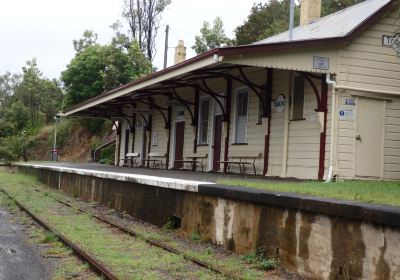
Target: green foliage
107, 155
106, 161
259, 260
8, 82
265, 20
17, 116
50, 237
64, 129
40, 96
15, 147
272, 18
97, 68
196, 235
211, 37
332, 6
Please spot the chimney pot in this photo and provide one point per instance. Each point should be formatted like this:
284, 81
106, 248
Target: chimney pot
180, 52
310, 10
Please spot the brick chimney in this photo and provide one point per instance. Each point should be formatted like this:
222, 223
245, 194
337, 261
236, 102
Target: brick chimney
180, 52
310, 10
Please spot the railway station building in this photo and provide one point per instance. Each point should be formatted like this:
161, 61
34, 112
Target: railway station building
322, 104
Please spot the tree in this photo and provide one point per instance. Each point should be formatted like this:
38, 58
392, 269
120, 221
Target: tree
144, 17
29, 90
211, 37
8, 83
89, 39
97, 68
51, 99
272, 18
265, 20
40, 96
332, 6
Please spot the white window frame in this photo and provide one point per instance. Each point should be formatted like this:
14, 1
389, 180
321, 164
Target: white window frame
199, 139
239, 90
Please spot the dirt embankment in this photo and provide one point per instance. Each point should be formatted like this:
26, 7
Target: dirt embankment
76, 147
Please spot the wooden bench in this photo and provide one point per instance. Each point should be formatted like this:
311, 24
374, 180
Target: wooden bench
242, 159
194, 159
156, 159
131, 158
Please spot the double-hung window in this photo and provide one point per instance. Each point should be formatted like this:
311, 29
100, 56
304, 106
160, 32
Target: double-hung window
203, 120
242, 98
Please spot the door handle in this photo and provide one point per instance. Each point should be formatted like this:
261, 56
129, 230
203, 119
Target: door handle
358, 137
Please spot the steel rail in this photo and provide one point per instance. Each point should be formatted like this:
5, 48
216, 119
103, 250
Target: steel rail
153, 242
97, 267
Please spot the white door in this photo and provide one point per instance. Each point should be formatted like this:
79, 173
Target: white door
369, 138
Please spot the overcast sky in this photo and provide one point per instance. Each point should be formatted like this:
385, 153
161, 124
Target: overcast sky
45, 28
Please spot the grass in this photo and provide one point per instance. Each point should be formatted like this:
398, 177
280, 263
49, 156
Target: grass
67, 266
260, 261
376, 192
126, 256
23, 186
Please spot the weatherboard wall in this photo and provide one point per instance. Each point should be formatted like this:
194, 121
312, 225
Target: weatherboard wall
366, 63
303, 143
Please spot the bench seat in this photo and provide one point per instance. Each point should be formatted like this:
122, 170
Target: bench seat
156, 159
242, 159
194, 159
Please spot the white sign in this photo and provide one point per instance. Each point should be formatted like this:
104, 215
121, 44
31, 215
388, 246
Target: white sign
155, 138
347, 113
321, 63
392, 41
278, 105
350, 101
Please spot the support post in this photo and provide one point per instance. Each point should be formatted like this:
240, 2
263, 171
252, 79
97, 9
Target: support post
133, 128
268, 114
118, 150
149, 128
196, 118
169, 117
228, 103
322, 147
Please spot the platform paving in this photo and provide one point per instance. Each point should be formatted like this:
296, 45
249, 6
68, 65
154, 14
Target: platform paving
212, 177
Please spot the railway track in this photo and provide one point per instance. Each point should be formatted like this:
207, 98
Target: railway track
100, 269
96, 266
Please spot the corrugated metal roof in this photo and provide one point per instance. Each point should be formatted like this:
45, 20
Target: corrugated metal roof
338, 24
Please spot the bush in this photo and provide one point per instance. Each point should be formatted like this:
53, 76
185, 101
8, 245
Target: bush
260, 260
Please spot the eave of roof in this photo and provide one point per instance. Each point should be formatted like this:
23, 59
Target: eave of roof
246, 50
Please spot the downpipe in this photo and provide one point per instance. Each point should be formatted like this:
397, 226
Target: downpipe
332, 84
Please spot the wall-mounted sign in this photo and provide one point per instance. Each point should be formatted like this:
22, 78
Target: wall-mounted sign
321, 63
392, 41
350, 101
278, 105
347, 113
155, 138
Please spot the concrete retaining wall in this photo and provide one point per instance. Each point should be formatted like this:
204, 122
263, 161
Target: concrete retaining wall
317, 238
